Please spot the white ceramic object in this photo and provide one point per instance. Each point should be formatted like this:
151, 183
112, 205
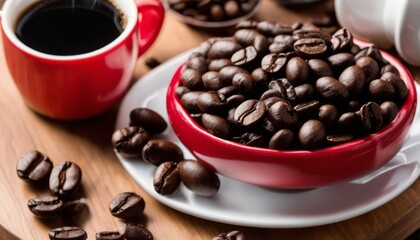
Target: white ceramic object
384, 23
248, 205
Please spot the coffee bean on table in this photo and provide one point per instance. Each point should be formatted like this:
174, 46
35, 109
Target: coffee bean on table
45, 207
233, 235
65, 178
33, 167
148, 119
198, 178
68, 233
166, 179
129, 141
127, 205
109, 235
152, 62
158, 151
135, 231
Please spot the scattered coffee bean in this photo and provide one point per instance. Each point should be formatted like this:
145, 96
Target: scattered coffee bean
152, 62
68, 233
130, 141
198, 178
158, 151
135, 231
127, 205
33, 167
45, 207
65, 178
109, 235
148, 119
233, 235
166, 179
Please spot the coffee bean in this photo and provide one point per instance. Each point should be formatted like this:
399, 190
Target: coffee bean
68, 233
328, 114
273, 63
349, 122
307, 110
109, 235
401, 91
305, 92
211, 102
354, 79
284, 87
249, 112
312, 134
389, 111
231, 8
181, 90
148, 119
283, 115
216, 125
212, 82
129, 141
243, 82
390, 68
217, 64
45, 207
273, 29
135, 231
244, 56
33, 166
166, 179
311, 48
65, 178
282, 140
252, 38
152, 62
226, 74
370, 66
381, 90
373, 52
223, 48
233, 235
191, 79
354, 105
340, 61
371, 116
320, 68
331, 89
198, 178
251, 139
158, 151
127, 205
190, 99
339, 139
342, 40
297, 71
259, 75
235, 100
74, 207
197, 63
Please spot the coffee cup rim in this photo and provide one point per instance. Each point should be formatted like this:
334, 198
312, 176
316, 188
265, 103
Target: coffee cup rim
9, 17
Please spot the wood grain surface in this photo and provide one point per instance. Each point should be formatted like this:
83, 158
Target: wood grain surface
88, 144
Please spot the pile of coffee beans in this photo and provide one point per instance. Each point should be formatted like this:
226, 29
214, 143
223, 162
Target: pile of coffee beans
135, 141
281, 86
213, 10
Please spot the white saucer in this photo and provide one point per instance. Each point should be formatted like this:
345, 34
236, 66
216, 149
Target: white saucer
247, 205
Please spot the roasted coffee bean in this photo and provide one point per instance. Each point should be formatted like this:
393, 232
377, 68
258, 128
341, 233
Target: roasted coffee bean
68, 233
320, 68
305, 92
33, 166
282, 140
235, 100
189, 101
355, 49
244, 56
348, 122
342, 40
216, 125
280, 47
328, 114
259, 76
211, 81
127, 205
401, 91
45, 207
381, 90
152, 62
247, 24
284, 87
354, 105
251, 139
282, 115
273, 29
166, 179
217, 12
65, 178
109, 235
211, 102
390, 68
308, 48
181, 90
389, 111
273, 63
158, 151
243, 82
217, 64
191, 79
312, 33
228, 91
130, 141
74, 207
250, 37
373, 52
340, 61
197, 63
297, 71
339, 139
307, 110
331, 89
312, 134
198, 178
271, 100
223, 48
270, 93
226, 74
135, 231
354, 79
370, 66
148, 119
233, 235
249, 113
231, 8
371, 116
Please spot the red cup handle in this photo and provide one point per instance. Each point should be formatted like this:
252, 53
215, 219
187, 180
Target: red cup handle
151, 15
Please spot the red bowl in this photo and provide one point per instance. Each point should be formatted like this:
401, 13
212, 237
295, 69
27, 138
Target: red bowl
298, 168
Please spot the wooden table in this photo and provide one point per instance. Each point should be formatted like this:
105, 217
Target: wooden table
88, 144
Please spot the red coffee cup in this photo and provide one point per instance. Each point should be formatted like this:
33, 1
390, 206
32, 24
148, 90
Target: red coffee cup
84, 85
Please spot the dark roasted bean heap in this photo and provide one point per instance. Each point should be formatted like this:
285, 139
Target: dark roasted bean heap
276, 86
213, 10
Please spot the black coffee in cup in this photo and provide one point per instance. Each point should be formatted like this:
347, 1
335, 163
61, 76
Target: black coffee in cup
69, 27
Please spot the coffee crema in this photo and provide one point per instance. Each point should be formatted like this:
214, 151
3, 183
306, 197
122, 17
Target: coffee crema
63, 27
